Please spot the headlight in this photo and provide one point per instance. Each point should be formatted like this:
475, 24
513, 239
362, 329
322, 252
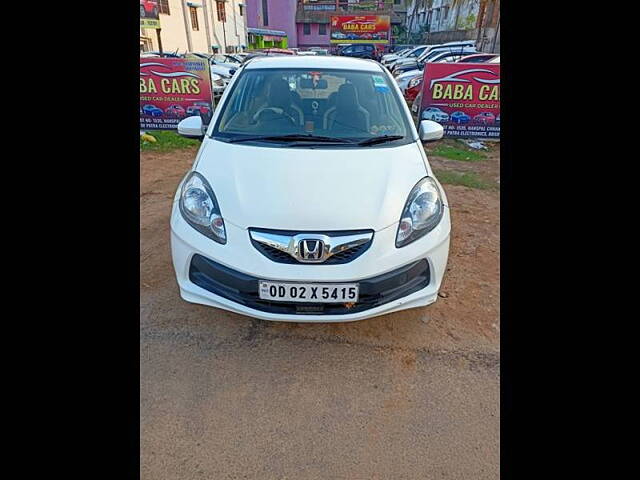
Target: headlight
422, 212
415, 81
200, 208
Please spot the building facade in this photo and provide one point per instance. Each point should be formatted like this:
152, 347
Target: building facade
439, 21
272, 23
201, 26
313, 17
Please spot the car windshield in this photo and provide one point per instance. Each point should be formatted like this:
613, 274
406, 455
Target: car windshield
340, 104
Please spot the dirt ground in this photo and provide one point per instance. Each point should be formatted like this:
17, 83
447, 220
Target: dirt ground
409, 395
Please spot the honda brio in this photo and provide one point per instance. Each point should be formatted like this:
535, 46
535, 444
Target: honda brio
311, 198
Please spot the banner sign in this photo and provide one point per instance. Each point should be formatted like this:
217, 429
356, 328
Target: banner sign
360, 29
149, 14
172, 89
463, 97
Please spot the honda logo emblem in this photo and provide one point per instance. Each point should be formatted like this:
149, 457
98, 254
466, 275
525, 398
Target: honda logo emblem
311, 250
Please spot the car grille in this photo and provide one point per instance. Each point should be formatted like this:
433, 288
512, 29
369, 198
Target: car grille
336, 259
340, 257
243, 289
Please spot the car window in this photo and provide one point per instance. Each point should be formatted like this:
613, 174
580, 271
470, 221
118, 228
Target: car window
351, 105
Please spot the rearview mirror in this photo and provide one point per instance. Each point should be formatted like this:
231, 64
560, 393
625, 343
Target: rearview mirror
307, 83
430, 131
191, 127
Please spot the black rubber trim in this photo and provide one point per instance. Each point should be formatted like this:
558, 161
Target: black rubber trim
243, 289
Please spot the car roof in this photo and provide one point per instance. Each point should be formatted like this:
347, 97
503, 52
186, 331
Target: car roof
314, 62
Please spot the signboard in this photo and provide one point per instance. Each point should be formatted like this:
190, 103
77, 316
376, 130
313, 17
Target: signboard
149, 14
463, 97
360, 29
172, 89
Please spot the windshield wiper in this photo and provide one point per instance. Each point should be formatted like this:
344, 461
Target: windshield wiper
292, 138
381, 139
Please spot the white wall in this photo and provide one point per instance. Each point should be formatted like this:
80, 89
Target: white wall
174, 34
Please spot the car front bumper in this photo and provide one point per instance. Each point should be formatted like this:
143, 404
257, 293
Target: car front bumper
390, 278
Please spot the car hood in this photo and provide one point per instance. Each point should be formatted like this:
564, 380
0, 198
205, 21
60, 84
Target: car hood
406, 61
220, 70
409, 74
310, 189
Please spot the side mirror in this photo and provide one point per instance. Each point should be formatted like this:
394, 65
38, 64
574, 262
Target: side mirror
191, 127
430, 131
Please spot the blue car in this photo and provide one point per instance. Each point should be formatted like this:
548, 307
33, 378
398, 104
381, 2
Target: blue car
152, 110
460, 117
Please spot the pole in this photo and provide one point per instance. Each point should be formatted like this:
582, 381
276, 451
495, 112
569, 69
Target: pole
224, 30
186, 25
206, 24
159, 40
483, 6
495, 35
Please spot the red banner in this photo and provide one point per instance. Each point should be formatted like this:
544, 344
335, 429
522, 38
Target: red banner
360, 29
172, 89
463, 97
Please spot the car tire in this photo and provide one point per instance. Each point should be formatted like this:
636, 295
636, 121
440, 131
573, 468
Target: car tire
142, 12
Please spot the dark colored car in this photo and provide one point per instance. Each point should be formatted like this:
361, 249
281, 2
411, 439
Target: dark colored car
460, 117
175, 111
152, 110
360, 50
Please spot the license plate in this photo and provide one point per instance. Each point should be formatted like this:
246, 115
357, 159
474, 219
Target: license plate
309, 292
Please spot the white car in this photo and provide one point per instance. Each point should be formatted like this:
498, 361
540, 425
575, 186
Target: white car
403, 79
332, 216
435, 114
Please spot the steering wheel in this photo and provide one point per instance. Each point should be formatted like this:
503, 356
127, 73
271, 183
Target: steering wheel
276, 110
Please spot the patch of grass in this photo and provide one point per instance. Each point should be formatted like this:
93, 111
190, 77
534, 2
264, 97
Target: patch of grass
167, 140
467, 179
456, 153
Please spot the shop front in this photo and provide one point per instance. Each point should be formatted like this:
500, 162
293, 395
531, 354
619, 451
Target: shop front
263, 38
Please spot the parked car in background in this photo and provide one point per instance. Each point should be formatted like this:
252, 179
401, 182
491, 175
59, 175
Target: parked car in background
324, 248
413, 88
152, 110
403, 79
435, 56
460, 117
431, 51
486, 118
435, 114
162, 55
227, 59
175, 111
415, 106
219, 83
279, 51
477, 58
319, 51
360, 50
387, 58
410, 55
201, 109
